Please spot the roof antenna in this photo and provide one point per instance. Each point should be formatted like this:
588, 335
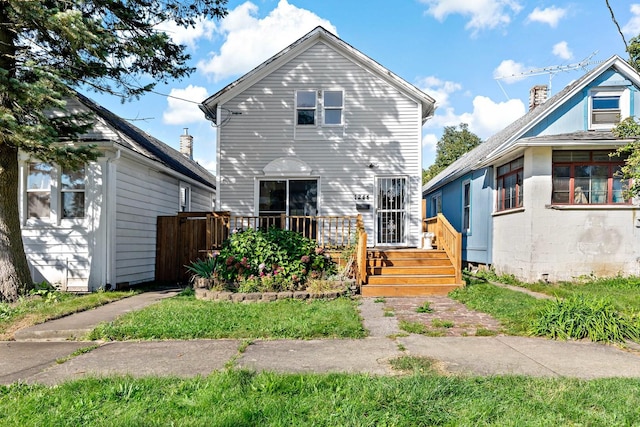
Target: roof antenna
550, 70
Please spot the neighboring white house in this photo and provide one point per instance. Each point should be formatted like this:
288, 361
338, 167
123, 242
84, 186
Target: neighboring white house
541, 199
321, 129
96, 227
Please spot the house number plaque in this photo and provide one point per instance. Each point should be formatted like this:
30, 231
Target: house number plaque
362, 197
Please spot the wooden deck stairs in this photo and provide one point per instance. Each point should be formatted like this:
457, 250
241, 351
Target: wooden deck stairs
409, 272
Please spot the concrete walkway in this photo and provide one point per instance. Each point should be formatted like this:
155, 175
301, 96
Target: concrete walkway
48, 360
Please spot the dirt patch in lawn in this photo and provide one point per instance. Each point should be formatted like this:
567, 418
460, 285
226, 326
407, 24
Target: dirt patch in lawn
447, 317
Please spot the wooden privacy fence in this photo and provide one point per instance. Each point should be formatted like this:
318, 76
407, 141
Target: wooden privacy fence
188, 236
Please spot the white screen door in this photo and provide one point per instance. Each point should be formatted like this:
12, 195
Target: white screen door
391, 211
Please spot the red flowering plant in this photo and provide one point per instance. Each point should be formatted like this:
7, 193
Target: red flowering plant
271, 260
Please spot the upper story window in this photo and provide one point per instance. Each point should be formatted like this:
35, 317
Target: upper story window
306, 107
607, 107
510, 191
587, 177
44, 194
333, 102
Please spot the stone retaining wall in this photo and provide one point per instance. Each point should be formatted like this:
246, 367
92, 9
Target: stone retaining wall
207, 294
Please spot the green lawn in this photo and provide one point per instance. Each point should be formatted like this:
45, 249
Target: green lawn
515, 310
624, 293
242, 398
33, 310
602, 309
185, 317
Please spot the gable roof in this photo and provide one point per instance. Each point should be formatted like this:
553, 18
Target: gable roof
209, 105
502, 141
152, 148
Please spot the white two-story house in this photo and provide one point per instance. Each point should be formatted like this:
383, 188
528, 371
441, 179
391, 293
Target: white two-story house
320, 129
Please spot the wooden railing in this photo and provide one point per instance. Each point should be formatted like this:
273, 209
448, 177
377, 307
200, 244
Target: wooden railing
330, 232
447, 239
361, 253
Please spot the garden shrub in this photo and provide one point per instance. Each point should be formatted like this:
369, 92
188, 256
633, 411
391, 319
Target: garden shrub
272, 260
580, 317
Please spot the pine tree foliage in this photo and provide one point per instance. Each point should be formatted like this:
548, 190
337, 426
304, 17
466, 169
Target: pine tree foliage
50, 48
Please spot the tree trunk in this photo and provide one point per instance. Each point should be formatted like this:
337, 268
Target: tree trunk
15, 277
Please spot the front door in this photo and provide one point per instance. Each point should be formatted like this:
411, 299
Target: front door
391, 211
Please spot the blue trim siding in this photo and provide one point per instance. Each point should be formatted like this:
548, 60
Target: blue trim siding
476, 245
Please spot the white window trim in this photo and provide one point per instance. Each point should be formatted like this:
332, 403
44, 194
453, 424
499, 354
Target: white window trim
325, 108
256, 190
187, 188
624, 95
433, 202
467, 230
315, 109
55, 198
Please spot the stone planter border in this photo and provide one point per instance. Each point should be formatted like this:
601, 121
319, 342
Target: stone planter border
208, 294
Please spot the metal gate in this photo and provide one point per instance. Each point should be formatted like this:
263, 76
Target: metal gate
391, 211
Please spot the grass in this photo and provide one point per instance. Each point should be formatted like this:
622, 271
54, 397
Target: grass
30, 311
244, 398
187, 318
603, 309
515, 310
439, 323
624, 292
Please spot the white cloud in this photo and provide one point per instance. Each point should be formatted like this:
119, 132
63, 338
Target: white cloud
633, 26
509, 71
483, 14
180, 112
204, 28
250, 41
438, 89
487, 118
550, 16
429, 141
562, 50
490, 117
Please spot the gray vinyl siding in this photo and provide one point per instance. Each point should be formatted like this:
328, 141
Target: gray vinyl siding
381, 126
141, 195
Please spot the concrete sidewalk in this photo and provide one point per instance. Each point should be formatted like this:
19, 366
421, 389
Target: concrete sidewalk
35, 362
77, 325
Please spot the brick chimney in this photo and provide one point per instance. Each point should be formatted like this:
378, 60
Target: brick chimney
537, 96
186, 144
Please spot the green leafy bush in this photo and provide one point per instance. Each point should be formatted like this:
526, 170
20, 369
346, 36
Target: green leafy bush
271, 260
203, 267
580, 317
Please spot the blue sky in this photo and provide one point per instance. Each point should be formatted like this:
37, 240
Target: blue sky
464, 53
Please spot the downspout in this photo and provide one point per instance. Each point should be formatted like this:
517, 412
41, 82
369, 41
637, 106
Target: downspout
109, 231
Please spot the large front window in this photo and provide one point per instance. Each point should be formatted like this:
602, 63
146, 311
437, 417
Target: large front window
510, 189
587, 178
294, 197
